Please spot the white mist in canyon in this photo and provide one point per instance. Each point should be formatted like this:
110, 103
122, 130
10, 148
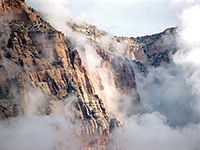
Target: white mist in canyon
169, 94
33, 130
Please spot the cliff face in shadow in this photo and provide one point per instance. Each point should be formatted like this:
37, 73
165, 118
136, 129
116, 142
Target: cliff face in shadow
34, 55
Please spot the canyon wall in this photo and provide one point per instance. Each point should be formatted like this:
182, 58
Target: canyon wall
35, 56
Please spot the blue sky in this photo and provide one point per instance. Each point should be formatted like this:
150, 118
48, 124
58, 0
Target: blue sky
127, 17
118, 17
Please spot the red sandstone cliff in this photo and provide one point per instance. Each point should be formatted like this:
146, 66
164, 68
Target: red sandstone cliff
34, 55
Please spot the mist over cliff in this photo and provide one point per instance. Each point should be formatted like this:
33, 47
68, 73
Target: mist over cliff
68, 85
170, 93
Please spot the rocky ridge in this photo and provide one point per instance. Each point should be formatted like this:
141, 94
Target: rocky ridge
34, 55
123, 56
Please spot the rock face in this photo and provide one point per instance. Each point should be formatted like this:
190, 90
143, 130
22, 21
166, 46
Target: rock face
123, 56
34, 55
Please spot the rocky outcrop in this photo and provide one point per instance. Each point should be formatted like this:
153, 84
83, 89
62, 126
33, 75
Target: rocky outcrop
122, 56
35, 55
149, 50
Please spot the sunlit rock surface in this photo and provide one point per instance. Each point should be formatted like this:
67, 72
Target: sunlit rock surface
34, 55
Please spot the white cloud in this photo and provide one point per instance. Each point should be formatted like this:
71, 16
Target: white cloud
171, 94
56, 13
129, 17
36, 132
152, 132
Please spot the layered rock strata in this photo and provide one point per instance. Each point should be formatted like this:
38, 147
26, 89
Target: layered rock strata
35, 55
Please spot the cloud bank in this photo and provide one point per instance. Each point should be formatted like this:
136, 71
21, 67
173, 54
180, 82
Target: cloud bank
170, 95
152, 132
35, 130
